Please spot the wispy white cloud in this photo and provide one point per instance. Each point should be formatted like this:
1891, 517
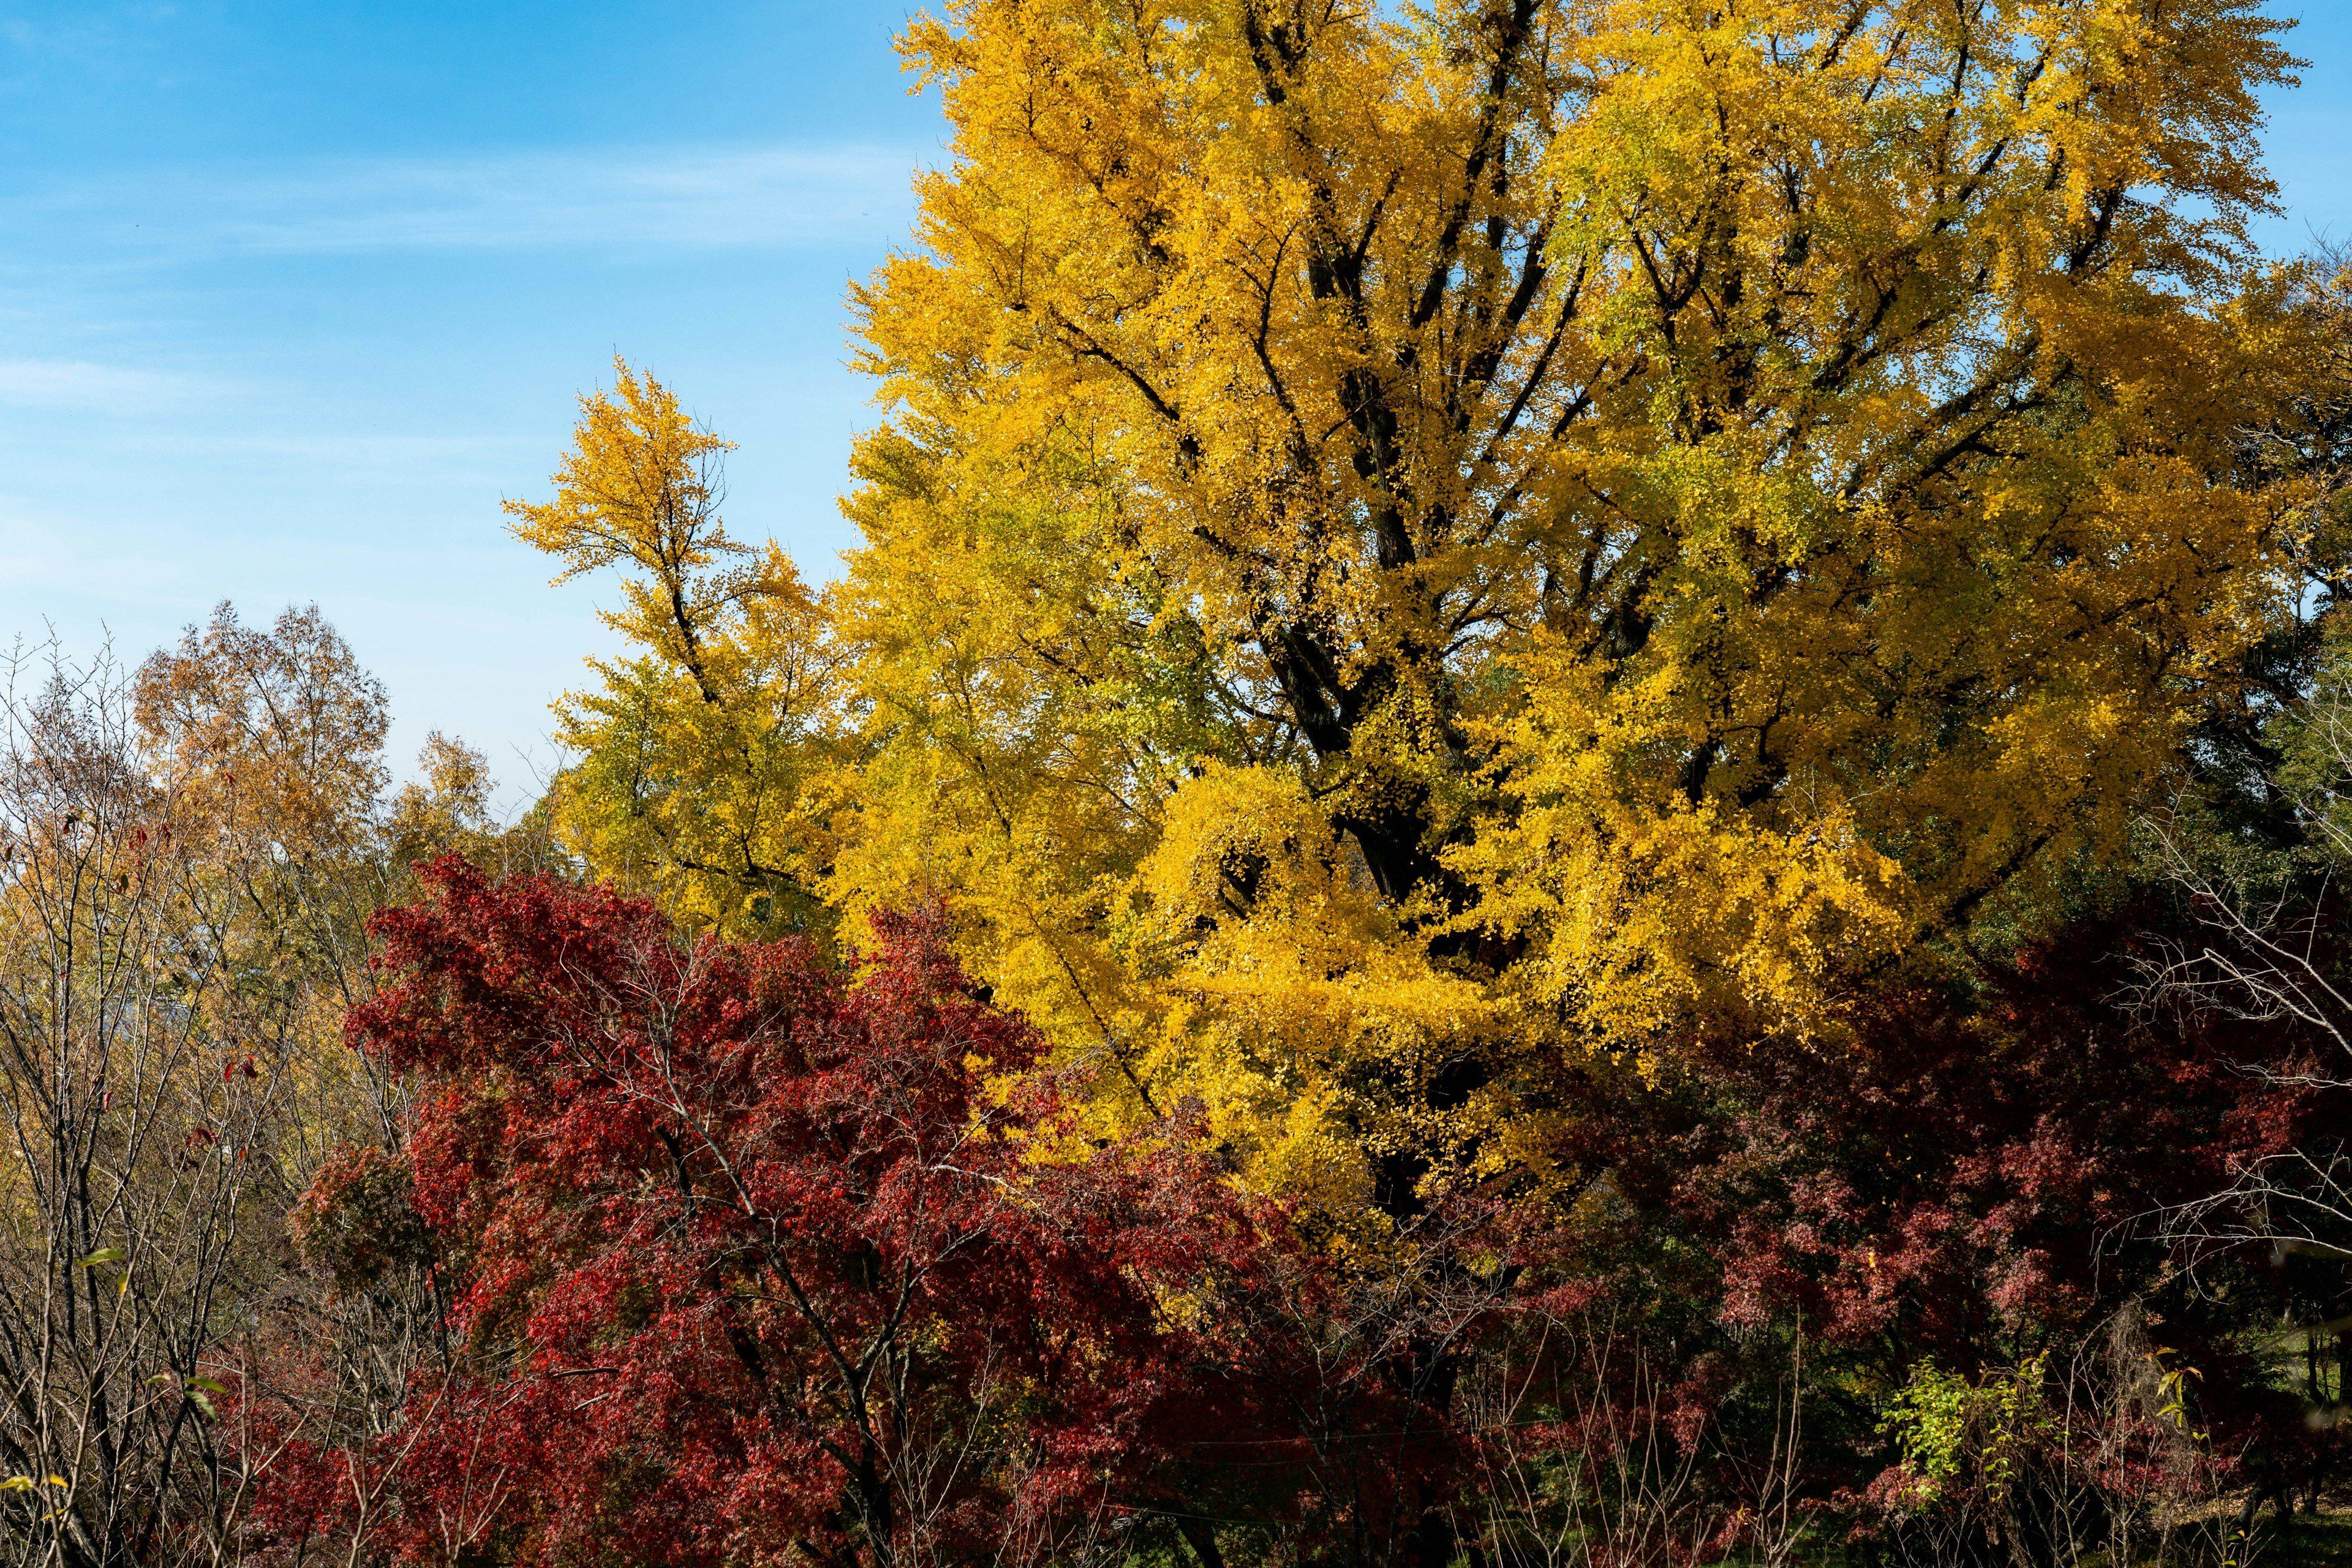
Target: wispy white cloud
78, 387
105, 38
626, 199
342, 457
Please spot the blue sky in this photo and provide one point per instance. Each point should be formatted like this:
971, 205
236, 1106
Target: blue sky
293, 292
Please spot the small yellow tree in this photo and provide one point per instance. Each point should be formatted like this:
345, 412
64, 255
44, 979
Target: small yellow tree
700, 761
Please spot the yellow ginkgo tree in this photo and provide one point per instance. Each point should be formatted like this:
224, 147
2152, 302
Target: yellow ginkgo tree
696, 759
1413, 545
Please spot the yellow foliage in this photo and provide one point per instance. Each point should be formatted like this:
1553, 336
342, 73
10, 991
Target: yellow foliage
700, 762
278, 728
1413, 542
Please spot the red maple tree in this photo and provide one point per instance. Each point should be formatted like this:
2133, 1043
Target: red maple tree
758, 1256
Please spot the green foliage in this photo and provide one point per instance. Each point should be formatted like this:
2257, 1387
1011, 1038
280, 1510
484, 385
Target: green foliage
1978, 1433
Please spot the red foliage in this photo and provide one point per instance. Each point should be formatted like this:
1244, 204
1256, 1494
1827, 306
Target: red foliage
1973, 1173
1977, 1180
756, 1255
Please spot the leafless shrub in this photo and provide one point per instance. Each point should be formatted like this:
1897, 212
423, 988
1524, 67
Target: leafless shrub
147, 1106
188, 854
1581, 1457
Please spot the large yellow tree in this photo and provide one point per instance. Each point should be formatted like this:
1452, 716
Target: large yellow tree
1413, 541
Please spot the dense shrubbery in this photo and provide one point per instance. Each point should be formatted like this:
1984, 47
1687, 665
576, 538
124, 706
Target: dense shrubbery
752, 1256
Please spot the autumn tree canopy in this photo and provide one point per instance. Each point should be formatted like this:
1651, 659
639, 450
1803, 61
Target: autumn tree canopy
1407, 544
696, 754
